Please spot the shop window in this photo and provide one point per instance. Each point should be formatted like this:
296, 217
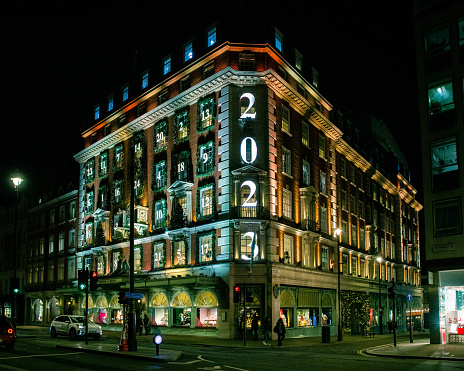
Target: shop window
445, 168
447, 217
206, 310
182, 309
308, 317
160, 310
437, 47
326, 316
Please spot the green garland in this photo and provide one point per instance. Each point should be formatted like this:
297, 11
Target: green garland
348, 298
210, 171
210, 104
213, 247
154, 228
198, 200
179, 239
154, 178
186, 156
162, 261
103, 159
89, 178
121, 154
182, 113
116, 183
90, 209
161, 126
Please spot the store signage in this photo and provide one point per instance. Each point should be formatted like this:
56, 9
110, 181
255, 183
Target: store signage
445, 247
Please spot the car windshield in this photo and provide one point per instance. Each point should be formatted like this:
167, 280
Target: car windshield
77, 319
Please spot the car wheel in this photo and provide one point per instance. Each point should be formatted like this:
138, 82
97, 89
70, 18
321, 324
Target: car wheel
72, 334
96, 337
53, 333
10, 346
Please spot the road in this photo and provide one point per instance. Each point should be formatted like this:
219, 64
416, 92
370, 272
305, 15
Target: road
35, 350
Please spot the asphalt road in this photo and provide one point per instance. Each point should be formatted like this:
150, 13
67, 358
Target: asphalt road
35, 350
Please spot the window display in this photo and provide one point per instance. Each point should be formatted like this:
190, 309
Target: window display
206, 317
308, 316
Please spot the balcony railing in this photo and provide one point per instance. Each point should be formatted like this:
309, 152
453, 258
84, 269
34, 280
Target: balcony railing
256, 212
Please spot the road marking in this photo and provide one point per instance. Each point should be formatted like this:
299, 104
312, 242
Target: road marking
42, 355
199, 359
12, 368
202, 359
236, 368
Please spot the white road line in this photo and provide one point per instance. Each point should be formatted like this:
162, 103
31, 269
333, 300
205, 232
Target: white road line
236, 368
202, 359
41, 355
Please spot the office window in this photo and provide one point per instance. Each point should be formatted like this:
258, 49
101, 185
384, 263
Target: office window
61, 241
182, 124
444, 160
211, 37
305, 133
144, 79
166, 65
205, 248
322, 183
321, 146
285, 119
96, 112
205, 160
447, 217
125, 92
206, 199
437, 47
160, 213
306, 173
288, 249
160, 176
188, 52
286, 161
110, 102
287, 203
278, 40
185, 83
441, 106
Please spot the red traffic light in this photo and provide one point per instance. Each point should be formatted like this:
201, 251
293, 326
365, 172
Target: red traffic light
94, 274
237, 288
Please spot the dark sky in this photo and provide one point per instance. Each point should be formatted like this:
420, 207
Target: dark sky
62, 56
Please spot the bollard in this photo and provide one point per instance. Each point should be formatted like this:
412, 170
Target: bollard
157, 339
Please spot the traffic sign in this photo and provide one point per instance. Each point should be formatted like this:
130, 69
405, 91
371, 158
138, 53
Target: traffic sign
408, 297
134, 295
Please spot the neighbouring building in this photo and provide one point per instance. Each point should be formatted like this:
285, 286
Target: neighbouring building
242, 172
439, 35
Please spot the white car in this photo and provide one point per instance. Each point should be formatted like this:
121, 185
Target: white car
73, 326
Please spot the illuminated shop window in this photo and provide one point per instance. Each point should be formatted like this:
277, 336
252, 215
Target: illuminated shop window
160, 310
211, 38
205, 160
205, 247
144, 79
166, 65
188, 52
308, 317
206, 310
160, 175
161, 136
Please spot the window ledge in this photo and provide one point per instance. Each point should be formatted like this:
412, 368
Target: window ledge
284, 173
287, 132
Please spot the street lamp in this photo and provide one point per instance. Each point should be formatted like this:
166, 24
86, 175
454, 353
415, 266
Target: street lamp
16, 182
337, 234
379, 259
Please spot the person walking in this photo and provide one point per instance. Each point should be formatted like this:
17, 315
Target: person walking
145, 323
139, 325
254, 326
280, 330
266, 329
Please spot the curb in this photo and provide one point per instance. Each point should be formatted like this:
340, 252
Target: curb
371, 352
162, 359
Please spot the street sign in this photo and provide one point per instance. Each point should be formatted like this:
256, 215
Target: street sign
408, 297
134, 295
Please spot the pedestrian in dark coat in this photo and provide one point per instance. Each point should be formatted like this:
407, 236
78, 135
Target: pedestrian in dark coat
139, 325
145, 323
254, 326
266, 328
280, 330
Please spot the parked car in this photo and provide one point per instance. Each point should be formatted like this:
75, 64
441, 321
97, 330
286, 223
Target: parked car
73, 326
7, 332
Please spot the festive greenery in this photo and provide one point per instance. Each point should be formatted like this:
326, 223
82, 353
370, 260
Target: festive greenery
154, 184
90, 171
198, 200
178, 219
184, 239
177, 159
181, 117
158, 228
160, 135
162, 261
118, 160
103, 165
207, 172
349, 299
206, 110
213, 246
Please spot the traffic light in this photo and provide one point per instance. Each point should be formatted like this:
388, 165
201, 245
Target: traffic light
391, 291
82, 279
93, 280
14, 282
122, 297
237, 294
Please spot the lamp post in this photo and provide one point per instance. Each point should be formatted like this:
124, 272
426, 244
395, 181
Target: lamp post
16, 182
337, 234
379, 260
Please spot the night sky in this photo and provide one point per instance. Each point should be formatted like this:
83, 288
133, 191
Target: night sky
62, 57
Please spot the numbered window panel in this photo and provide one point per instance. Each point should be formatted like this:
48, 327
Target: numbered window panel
306, 173
248, 150
247, 106
160, 176
248, 200
117, 192
89, 202
205, 246
285, 119
103, 198
288, 249
179, 253
118, 162
90, 171
286, 161
138, 145
138, 185
182, 164
447, 218
205, 160
206, 201
103, 165
161, 136
158, 255
182, 126
305, 133
444, 161
206, 114
287, 204
437, 47
249, 243
88, 233
160, 214
441, 106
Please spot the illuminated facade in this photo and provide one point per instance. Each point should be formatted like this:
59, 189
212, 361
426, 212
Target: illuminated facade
241, 176
439, 34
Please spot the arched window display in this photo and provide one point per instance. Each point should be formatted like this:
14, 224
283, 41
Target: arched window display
37, 310
308, 308
160, 310
206, 309
287, 302
327, 304
91, 305
101, 310
182, 308
116, 311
